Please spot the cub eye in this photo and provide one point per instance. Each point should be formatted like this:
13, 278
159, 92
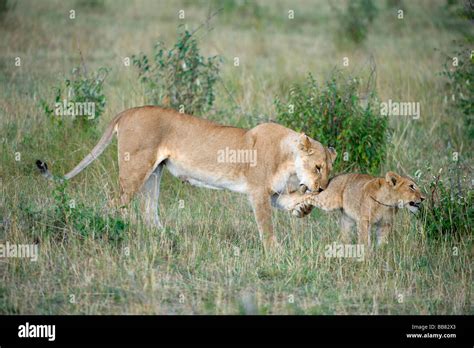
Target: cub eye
317, 169
412, 187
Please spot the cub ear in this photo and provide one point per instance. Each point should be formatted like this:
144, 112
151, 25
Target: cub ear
305, 144
333, 153
392, 178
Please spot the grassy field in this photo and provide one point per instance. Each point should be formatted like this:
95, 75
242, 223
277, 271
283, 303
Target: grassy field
208, 258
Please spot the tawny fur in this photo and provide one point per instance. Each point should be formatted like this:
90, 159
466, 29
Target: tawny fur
366, 201
150, 138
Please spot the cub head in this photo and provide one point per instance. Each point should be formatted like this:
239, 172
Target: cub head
313, 163
404, 191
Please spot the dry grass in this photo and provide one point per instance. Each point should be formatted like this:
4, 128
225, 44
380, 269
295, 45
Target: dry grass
208, 258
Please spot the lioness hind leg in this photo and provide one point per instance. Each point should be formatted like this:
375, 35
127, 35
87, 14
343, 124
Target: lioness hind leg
134, 169
150, 196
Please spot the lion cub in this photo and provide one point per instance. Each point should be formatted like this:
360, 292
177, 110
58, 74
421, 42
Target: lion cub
365, 201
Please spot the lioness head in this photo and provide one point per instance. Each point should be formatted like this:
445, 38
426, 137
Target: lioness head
313, 163
405, 191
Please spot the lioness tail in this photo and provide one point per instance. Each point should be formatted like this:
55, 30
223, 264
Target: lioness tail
96, 152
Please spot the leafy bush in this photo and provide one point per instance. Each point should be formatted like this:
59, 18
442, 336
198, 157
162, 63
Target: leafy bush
91, 4
334, 115
357, 18
449, 209
398, 4
5, 6
460, 8
179, 77
79, 89
460, 87
82, 219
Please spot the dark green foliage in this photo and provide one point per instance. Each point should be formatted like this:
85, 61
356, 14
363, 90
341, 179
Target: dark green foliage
179, 77
79, 88
82, 219
461, 8
357, 18
334, 115
91, 4
5, 6
397, 4
449, 208
460, 87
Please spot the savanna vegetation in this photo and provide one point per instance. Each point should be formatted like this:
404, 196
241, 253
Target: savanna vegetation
322, 67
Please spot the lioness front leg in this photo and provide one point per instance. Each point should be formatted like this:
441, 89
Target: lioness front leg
261, 205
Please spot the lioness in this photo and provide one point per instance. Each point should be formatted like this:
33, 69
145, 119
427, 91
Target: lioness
268, 162
365, 201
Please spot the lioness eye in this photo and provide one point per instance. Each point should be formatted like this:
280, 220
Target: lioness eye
412, 187
318, 169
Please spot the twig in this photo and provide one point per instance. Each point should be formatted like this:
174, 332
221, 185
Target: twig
82, 62
231, 96
433, 190
206, 22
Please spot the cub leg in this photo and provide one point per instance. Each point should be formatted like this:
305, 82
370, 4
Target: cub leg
346, 228
261, 205
326, 200
287, 201
382, 232
363, 229
150, 196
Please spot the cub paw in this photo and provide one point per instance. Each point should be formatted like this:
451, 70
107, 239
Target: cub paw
301, 210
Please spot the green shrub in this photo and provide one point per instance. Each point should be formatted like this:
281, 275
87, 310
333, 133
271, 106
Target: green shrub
91, 4
357, 18
334, 115
83, 220
460, 87
460, 8
449, 208
179, 77
79, 93
5, 6
395, 4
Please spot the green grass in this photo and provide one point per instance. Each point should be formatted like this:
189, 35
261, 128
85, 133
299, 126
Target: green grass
208, 259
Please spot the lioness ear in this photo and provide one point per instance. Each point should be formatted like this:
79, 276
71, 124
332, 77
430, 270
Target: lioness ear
333, 153
305, 144
392, 178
